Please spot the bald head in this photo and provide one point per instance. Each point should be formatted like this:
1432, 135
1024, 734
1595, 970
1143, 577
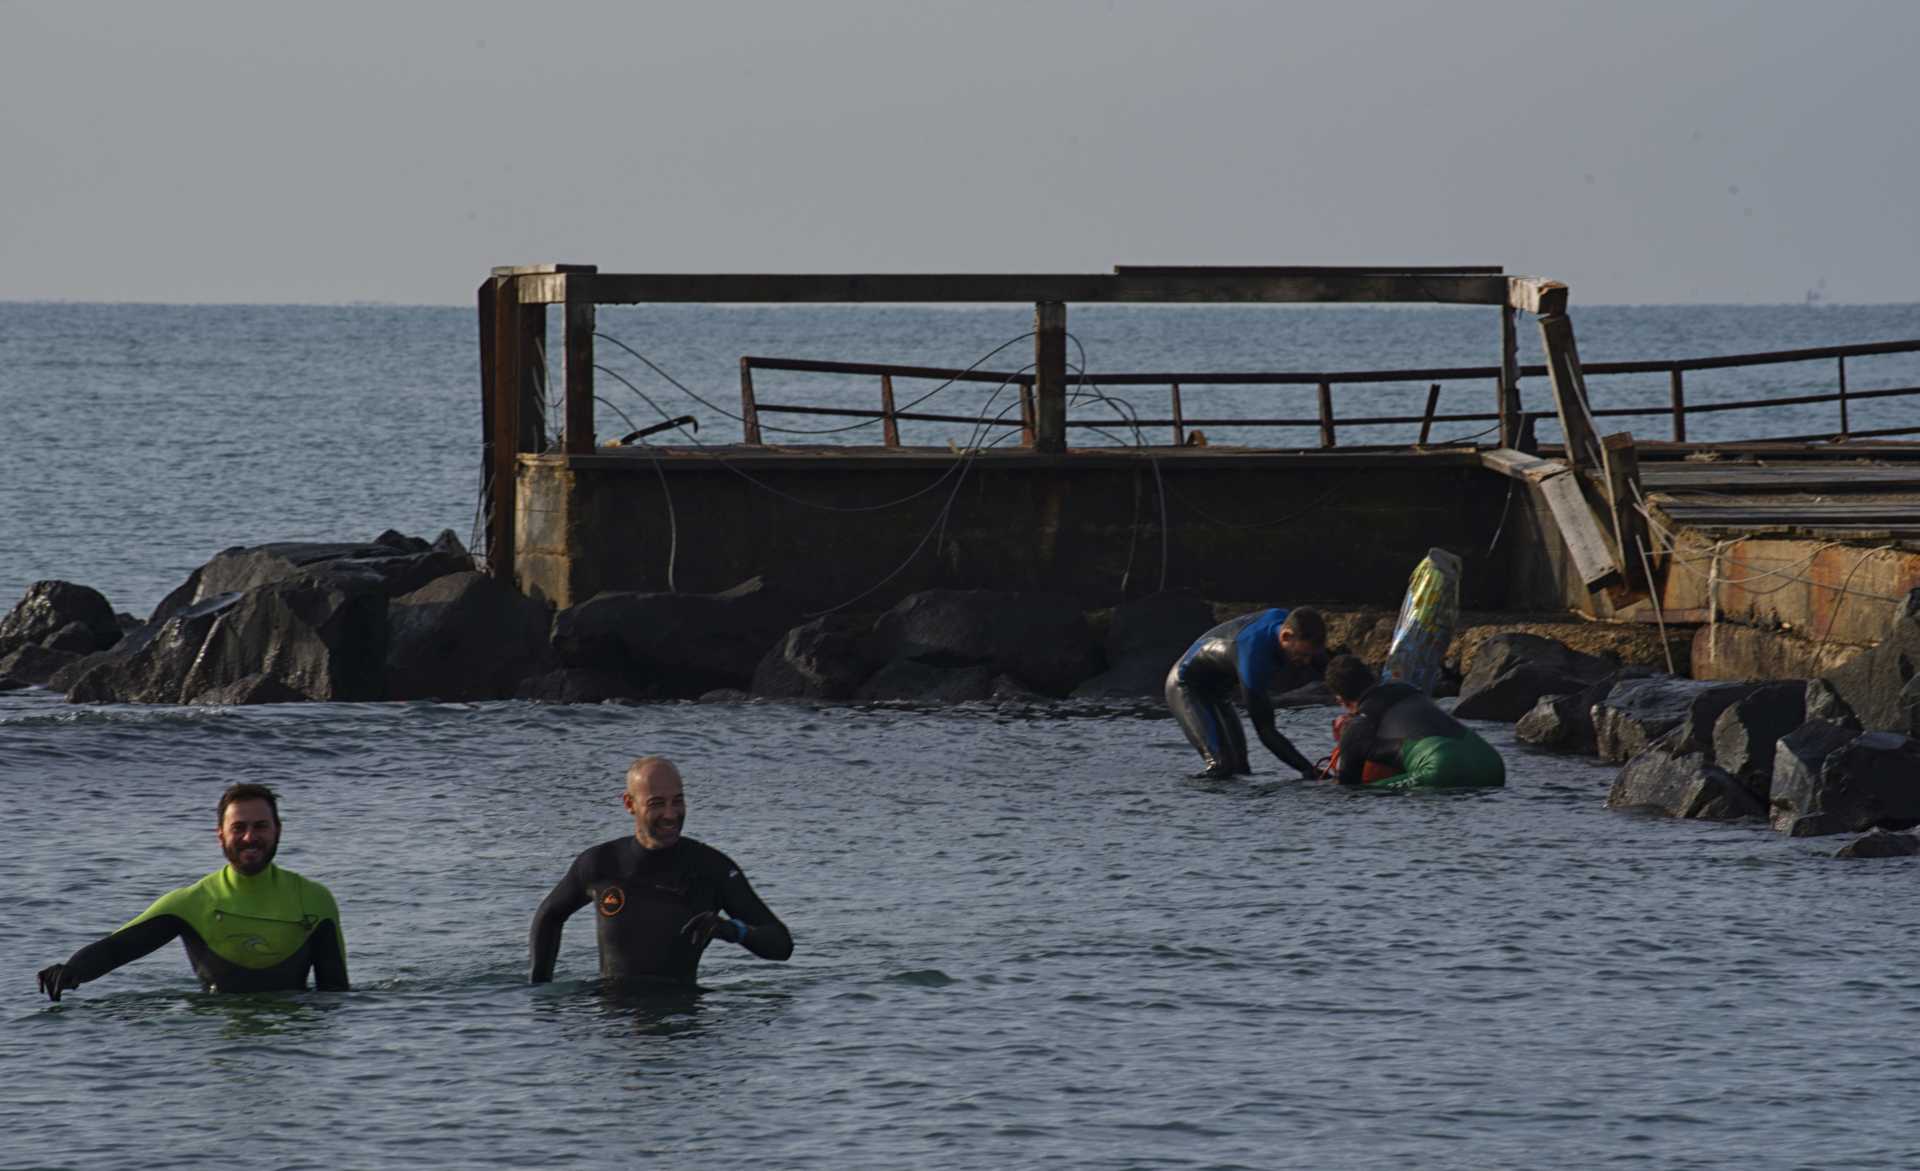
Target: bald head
657, 800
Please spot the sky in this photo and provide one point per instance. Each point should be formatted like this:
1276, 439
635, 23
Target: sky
1685, 151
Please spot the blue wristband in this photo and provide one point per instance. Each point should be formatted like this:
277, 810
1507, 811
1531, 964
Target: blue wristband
741, 928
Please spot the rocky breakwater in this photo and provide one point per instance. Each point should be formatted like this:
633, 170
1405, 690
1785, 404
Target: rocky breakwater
394, 618
1812, 757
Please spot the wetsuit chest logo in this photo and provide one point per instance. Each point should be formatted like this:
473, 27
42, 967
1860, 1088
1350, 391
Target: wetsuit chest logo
611, 901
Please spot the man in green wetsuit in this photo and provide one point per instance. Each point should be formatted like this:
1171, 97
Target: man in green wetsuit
248, 927
1397, 725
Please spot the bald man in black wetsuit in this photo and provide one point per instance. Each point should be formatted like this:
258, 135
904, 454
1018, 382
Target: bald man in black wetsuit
658, 896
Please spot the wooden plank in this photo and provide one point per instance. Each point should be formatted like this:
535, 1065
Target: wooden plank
1050, 376
1091, 288
1570, 392
1537, 296
1307, 269
540, 269
1519, 465
1586, 543
579, 342
1629, 526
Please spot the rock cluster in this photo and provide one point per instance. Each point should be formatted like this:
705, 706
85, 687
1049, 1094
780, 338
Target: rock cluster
1813, 757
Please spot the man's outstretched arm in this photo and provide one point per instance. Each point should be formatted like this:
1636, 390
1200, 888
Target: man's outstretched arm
1260, 715
543, 941
102, 956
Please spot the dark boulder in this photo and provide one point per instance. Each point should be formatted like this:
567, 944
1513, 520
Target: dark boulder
1875, 682
391, 568
34, 663
77, 638
676, 645
1512, 671
579, 685
149, 664
1041, 639
323, 637
1564, 723
465, 636
1637, 712
1681, 783
1878, 843
9, 683
1499, 654
1746, 732
1144, 639
1828, 780
48, 607
911, 679
1824, 703
827, 658
253, 689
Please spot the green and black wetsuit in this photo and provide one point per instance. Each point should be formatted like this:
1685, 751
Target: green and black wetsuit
643, 901
243, 933
1397, 725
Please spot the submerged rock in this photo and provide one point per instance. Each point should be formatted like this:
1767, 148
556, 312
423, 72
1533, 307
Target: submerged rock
910, 679
1878, 843
1043, 640
1828, 780
33, 663
1681, 782
827, 658
579, 685
1564, 723
676, 645
1144, 639
465, 636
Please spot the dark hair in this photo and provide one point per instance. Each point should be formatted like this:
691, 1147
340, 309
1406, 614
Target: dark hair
247, 791
1308, 623
1348, 677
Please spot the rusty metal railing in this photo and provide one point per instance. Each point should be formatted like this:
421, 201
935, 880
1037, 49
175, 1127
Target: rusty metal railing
1325, 420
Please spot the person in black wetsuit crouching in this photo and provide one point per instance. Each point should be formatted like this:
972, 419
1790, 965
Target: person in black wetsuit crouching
1397, 725
658, 896
1255, 653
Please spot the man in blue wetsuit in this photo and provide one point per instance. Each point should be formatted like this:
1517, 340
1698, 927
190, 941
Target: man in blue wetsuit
658, 896
1256, 653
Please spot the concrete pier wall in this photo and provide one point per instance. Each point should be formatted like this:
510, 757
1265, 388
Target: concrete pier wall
1278, 527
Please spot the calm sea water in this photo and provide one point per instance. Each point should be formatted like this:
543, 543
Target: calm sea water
1024, 936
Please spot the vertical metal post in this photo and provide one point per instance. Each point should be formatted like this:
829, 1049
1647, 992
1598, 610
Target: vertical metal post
1326, 415
1050, 375
508, 373
1025, 383
1843, 396
1179, 419
579, 437
749, 413
889, 427
1679, 406
1433, 404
